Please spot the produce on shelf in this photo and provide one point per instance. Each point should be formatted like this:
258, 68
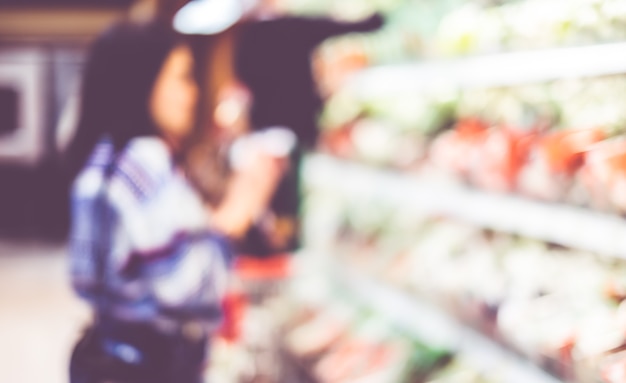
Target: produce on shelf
418, 29
454, 149
557, 142
410, 26
386, 131
488, 157
530, 24
554, 162
564, 309
317, 333
614, 368
604, 174
460, 373
366, 347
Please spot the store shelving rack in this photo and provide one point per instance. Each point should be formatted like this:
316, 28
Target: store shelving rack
570, 226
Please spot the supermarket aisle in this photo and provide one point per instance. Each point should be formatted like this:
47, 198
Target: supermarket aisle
39, 315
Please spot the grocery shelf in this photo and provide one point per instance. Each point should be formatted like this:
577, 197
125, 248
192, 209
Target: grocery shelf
569, 226
493, 70
437, 328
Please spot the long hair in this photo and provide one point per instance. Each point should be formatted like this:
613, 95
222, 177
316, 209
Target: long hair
123, 65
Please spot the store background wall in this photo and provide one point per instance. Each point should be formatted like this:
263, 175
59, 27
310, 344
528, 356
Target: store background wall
43, 44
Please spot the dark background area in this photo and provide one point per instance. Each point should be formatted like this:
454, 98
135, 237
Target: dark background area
107, 3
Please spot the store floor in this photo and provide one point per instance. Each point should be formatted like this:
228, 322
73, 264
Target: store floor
40, 318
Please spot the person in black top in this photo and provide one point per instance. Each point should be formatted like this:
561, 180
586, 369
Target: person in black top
273, 59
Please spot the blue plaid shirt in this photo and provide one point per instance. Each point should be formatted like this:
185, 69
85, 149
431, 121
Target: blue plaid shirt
145, 221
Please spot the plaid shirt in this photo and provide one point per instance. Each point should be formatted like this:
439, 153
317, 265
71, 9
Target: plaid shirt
161, 264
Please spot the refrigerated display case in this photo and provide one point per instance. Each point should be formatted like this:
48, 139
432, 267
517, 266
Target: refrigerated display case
481, 178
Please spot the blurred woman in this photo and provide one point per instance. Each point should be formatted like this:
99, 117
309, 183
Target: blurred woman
146, 252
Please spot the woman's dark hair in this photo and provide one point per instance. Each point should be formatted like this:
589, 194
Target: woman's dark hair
121, 70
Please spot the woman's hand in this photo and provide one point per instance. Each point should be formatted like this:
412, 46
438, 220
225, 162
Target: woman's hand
248, 195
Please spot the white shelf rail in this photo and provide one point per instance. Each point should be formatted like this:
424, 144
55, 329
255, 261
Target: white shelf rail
569, 226
493, 70
437, 328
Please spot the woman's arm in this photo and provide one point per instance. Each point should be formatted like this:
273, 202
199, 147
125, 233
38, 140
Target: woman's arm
247, 196
197, 280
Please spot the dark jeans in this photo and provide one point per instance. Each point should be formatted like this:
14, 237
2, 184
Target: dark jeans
122, 352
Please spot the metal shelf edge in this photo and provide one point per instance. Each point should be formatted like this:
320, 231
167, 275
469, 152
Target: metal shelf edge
492, 70
428, 322
570, 226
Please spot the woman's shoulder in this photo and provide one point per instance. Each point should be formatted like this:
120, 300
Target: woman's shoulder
150, 153
143, 165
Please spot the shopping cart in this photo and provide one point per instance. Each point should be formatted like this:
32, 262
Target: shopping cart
250, 322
